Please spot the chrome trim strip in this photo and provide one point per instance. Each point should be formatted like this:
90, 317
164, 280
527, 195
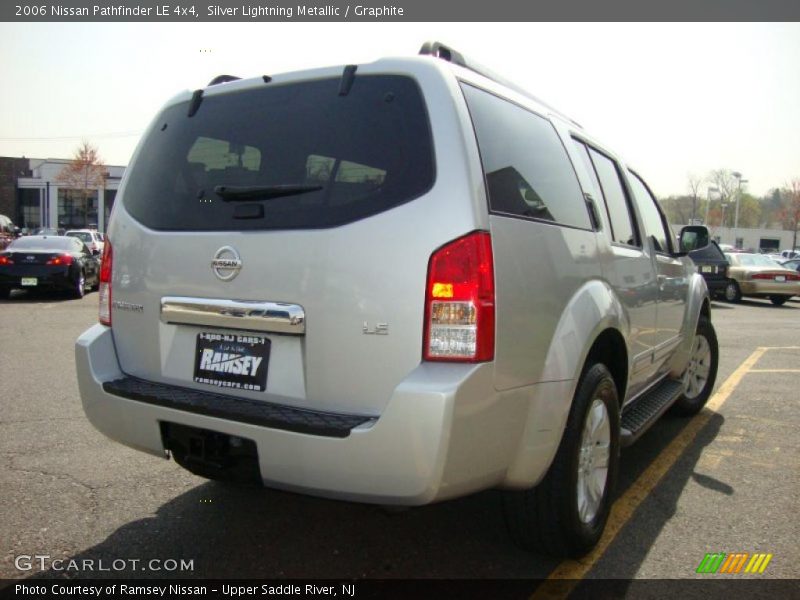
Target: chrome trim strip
252, 315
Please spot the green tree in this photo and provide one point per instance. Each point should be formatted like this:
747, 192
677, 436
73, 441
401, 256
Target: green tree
790, 214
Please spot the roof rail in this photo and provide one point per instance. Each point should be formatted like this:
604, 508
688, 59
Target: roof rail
439, 50
223, 79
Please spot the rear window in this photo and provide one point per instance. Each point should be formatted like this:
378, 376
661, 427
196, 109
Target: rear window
341, 157
83, 236
54, 243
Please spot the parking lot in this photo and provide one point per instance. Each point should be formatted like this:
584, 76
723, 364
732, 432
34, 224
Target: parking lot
726, 481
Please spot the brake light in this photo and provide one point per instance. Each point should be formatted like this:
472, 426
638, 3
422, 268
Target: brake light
105, 285
459, 301
5, 260
771, 276
63, 260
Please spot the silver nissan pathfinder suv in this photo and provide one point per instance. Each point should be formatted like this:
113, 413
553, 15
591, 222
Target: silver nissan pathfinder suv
398, 283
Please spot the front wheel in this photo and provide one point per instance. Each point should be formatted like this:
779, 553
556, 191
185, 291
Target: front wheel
701, 372
566, 513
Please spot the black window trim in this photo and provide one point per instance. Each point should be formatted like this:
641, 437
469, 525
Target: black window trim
500, 213
632, 213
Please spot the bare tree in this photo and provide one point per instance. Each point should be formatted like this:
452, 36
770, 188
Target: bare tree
84, 173
694, 182
726, 185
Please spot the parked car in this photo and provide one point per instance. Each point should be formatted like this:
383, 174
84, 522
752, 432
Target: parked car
49, 231
713, 266
793, 264
759, 276
412, 282
787, 254
48, 262
93, 239
7, 231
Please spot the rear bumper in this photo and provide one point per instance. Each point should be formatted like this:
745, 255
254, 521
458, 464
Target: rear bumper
445, 432
46, 277
716, 285
756, 288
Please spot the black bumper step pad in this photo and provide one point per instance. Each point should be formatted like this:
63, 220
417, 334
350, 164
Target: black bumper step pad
638, 417
243, 410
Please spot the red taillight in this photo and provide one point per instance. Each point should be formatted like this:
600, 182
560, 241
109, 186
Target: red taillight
5, 260
772, 276
63, 260
459, 301
105, 284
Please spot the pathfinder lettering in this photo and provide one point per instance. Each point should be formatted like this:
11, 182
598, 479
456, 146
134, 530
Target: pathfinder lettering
222, 362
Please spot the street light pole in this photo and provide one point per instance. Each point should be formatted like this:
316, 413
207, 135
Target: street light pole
740, 181
711, 190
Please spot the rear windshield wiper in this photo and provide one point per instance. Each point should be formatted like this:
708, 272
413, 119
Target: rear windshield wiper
234, 193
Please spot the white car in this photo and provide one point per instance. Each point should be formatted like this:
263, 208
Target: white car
94, 240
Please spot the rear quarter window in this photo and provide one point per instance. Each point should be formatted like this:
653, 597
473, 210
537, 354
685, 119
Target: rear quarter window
355, 155
527, 170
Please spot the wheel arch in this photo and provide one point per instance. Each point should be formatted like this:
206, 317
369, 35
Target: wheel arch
593, 326
698, 303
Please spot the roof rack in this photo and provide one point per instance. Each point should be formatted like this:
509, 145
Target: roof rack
439, 50
223, 79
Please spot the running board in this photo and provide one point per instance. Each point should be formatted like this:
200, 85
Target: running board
645, 410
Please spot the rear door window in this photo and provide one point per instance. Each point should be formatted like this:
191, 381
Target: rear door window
341, 157
655, 225
618, 207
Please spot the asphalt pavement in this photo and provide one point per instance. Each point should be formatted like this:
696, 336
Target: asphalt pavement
731, 484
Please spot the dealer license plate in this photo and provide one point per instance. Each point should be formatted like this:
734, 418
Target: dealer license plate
232, 360
26, 281
707, 269
780, 277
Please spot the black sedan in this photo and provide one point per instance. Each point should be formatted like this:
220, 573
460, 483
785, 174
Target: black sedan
48, 262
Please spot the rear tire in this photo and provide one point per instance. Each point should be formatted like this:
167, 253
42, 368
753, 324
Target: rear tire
779, 300
732, 292
566, 513
79, 288
5, 293
701, 372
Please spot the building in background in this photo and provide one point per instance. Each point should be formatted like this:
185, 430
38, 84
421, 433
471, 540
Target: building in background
753, 240
32, 197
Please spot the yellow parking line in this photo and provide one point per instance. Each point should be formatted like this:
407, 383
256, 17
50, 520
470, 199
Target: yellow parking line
567, 575
774, 370
779, 347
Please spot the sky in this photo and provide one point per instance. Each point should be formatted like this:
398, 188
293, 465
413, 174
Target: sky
672, 99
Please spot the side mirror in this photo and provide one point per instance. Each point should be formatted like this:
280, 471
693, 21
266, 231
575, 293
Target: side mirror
693, 237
